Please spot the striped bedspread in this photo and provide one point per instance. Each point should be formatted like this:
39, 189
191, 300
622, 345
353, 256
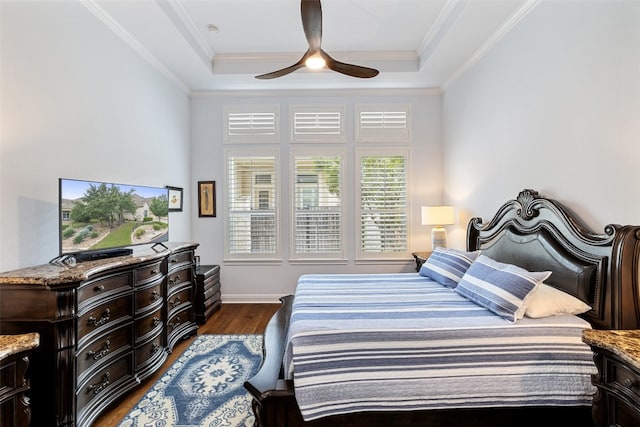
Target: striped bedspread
403, 342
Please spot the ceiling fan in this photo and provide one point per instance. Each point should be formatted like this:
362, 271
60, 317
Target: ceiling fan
315, 57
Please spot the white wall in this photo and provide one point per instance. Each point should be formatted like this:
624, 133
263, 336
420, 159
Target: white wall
77, 102
555, 107
253, 281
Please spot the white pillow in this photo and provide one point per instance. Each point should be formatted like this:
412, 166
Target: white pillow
548, 301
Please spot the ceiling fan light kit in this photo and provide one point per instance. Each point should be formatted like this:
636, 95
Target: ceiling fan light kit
315, 58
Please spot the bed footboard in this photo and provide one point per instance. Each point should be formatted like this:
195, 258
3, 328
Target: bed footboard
274, 402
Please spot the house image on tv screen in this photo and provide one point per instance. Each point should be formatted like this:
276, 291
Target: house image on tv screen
99, 215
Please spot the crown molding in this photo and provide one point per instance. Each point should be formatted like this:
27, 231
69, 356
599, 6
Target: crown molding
252, 63
117, 29
249, 93
502, 32
443, 23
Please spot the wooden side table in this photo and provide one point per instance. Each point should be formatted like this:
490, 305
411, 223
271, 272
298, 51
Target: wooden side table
208, 298
420, 258
617, 357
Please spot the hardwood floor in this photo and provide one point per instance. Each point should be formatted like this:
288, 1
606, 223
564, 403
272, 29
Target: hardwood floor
229, 319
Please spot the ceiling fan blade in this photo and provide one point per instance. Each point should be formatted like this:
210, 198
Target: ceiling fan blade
285, 71
348, 69
311, 12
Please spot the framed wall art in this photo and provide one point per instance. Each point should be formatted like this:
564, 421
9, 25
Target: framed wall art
206, 198
175, 199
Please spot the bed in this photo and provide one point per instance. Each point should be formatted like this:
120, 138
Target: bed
532, 232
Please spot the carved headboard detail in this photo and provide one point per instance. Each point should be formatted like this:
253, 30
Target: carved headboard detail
540, 234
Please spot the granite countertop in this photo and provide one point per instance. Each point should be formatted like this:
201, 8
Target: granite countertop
623, 343
12, 344
53, 274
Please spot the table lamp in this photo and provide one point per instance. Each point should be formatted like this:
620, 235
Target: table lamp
438, 216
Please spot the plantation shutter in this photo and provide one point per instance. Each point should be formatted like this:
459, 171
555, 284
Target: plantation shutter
383, 123
383, 204
251, 124
317, 124
318, 215
252, 205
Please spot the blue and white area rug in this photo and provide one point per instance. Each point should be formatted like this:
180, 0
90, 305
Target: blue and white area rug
204, 387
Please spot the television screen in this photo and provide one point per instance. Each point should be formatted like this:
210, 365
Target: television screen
102, 216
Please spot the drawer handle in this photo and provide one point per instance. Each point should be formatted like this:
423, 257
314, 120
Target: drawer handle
102, 320
174, 260
156, 321
175, 302
154, 272
155, 348
155, 295
98, 387
629, 383
175, 324
104, 350
99, 288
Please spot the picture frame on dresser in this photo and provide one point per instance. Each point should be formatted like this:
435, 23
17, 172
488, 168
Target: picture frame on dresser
175, 199
206, 198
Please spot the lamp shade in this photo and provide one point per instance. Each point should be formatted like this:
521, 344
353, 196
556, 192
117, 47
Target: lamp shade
437, 215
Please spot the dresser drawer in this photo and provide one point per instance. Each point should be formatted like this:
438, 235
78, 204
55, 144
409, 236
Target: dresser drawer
99, 385
103, 287
105, 347
179, 319
212, 291
149, 295
149, 324
148, 273
180, 258
177, 278
103, 317
179, 297
622, 378
208, 273
149, 353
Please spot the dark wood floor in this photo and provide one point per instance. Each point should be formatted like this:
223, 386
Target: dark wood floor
230, 319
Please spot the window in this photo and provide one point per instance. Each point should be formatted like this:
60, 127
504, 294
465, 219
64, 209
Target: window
252, 214
383, 123
383, 204
317, 123
344, 185
317, 206
251, 123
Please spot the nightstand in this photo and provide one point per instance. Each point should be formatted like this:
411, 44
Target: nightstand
208, 298
420, 258
617, 357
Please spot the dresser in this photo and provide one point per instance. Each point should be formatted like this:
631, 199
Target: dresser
104, 326
15, 410
617, 357
208, 297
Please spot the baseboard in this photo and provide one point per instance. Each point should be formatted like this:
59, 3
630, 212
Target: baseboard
251, 298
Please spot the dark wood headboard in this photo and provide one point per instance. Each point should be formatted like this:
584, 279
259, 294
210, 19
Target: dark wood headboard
540, 234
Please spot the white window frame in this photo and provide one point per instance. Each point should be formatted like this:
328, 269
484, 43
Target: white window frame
384, 131
253, 153
252, 135
359, 154
307, 137
299, 152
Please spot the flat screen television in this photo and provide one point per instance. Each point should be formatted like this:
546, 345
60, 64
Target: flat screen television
103, 219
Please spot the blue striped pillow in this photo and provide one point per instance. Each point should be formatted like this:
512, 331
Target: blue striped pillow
447, 266
499, 287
